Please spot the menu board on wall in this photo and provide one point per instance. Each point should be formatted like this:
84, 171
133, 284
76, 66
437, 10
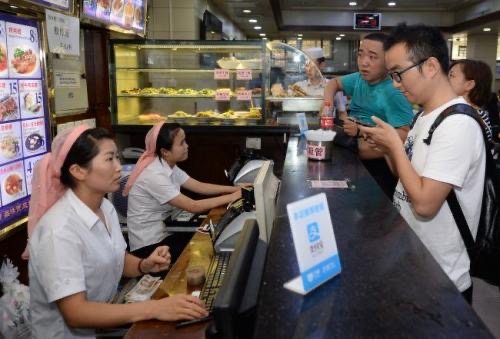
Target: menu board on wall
126, 14
24, 127
63, 5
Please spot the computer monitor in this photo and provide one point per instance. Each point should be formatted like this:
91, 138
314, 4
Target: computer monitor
234, 309
265, 187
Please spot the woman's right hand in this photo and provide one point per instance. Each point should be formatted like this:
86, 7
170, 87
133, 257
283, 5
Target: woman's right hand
235, 195
179, 307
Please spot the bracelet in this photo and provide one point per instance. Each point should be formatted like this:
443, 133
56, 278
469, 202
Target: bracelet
139, 267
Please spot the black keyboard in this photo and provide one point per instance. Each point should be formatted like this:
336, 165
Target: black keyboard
214, 278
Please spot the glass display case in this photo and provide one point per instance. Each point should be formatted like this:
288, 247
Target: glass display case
296, 85
191, 82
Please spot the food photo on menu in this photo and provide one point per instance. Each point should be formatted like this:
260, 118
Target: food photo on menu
103, 9
9, 108
23, 51
4, 57
34, 141
3, 61
10, 142
12, 182
31, 98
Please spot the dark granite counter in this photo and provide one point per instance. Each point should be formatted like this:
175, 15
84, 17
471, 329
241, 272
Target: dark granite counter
390, 285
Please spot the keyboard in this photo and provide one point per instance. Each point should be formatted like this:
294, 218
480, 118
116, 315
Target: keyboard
214, 278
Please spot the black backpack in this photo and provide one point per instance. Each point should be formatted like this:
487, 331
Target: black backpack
484, 253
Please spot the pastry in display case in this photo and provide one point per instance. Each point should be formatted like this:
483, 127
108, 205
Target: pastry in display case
190, 82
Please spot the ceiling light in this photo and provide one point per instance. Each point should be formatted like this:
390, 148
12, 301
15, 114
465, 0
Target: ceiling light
486, 29
247, 11
353, 3
450, 39
300, 34
252, 20
338, 38
341, 34
262, 34
14, 7
257, 27
392, 3
264, 38
299, 38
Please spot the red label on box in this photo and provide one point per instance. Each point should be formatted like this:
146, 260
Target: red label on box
221, 74
316, 152
244, 74
244, 95
222, 95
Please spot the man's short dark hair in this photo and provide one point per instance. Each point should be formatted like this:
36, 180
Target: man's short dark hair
380, 37
422, 42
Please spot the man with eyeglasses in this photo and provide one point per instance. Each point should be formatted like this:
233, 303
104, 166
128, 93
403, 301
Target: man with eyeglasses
417, 59
372, 94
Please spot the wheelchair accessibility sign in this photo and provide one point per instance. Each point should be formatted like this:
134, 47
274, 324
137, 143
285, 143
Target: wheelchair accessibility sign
314, 242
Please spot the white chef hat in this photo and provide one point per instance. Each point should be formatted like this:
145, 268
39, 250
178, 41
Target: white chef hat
315, 52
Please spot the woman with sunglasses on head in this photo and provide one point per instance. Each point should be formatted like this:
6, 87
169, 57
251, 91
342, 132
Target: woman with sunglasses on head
153, 191
472, 79
77, 251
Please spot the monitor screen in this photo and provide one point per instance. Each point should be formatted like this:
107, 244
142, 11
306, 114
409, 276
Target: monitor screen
367, 21
265, 187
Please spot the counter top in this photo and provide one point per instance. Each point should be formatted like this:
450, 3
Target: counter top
259, 128
390, 285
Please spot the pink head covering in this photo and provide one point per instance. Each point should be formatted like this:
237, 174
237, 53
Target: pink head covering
46, 183
146, 158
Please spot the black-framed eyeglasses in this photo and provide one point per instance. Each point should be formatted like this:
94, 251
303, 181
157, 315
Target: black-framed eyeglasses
396, 75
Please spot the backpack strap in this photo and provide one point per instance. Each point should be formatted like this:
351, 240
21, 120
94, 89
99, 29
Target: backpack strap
415, 117
452, 200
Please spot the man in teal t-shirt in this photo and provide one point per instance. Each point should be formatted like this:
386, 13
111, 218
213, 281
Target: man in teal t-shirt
372, 93
380, 99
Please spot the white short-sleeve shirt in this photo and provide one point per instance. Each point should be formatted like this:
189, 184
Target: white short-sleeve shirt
456, 155
148, 203
71, 251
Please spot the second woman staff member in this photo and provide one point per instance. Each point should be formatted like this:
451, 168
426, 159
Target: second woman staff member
77, 251
154, 192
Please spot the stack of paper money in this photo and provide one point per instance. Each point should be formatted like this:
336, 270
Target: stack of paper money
143, 290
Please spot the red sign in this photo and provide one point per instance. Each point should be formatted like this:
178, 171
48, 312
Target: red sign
244, 95
222, 95
221, 74
244, 74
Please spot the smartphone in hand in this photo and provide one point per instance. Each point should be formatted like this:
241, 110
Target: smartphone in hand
360, 122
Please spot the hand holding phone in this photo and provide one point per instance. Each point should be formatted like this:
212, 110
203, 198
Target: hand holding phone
360, 122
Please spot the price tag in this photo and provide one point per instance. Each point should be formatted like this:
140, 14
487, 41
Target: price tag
244, 95
221, 74
244, 74
222, 95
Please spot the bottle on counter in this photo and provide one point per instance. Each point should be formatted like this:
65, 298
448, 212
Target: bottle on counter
326, 117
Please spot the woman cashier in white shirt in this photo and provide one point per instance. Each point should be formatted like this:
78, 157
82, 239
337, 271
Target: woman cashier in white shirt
77, 251
154, 192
